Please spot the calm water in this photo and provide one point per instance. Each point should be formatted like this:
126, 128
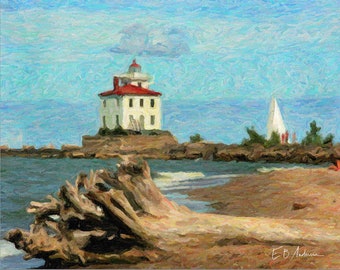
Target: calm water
27, 179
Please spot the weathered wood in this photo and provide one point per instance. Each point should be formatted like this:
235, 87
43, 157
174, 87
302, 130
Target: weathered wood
45, 209
123, 216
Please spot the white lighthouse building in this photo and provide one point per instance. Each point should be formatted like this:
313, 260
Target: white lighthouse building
131, 104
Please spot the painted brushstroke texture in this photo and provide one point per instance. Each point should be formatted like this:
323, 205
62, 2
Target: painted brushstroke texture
217, 64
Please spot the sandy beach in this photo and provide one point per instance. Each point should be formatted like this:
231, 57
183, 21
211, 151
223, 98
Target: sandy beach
298, 195
277, 193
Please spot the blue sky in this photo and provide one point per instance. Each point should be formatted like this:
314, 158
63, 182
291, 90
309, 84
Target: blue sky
67, 51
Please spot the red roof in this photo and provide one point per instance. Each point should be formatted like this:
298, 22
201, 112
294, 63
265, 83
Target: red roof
130, 89
134, 64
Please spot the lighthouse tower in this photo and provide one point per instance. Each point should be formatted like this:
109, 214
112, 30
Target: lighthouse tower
135, 76
275, 122
131, 104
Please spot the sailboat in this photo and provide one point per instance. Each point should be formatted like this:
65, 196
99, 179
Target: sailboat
275, 121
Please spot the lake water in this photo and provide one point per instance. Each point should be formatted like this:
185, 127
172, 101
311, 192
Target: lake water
27, 179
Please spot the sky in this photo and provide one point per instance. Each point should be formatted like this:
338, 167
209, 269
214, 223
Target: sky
197, 51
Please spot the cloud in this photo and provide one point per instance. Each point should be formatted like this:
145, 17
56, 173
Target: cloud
138, 40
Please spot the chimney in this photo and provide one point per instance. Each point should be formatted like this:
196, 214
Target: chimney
115, 83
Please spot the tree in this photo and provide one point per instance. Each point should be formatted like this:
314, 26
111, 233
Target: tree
254, 137
329, 139
196, 138
118, 130
313, 137
273, 140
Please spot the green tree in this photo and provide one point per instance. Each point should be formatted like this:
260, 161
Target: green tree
196, 138
313, 137
329, 139
118, 130
103, 131
273, 140
254, 137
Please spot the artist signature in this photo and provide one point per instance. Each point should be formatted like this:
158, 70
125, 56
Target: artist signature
299, 252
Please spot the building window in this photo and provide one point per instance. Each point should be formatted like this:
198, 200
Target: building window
130, 102
104, 103
117, 120
152, 103
141, 102
139, 84
104, 122
152, 120
117, 100
141, 121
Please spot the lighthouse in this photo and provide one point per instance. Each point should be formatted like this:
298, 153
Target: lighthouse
275, 122
131, 104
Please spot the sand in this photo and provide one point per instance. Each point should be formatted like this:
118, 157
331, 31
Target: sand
297, 194
309, 194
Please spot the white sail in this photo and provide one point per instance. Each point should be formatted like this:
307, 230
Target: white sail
275, 121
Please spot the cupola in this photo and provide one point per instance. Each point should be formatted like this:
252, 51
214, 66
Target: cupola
134, 67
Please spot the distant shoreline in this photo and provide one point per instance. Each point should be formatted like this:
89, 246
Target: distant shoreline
165, 146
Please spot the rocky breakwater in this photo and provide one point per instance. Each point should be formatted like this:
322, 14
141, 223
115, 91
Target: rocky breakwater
154, 145
48, 151
163, 145
293, 153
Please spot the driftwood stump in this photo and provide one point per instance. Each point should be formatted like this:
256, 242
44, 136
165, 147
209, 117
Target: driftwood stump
122, 217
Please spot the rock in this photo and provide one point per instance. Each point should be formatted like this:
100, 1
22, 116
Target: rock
309, 154
77, 154
273, 154
300, 205
232, 152
106, 155
157, 144
28, 148
47, 147
4, 147
46, 156
70, 147
48, 151
223, 154
200, 150
177, 151
336, 151
257, 150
